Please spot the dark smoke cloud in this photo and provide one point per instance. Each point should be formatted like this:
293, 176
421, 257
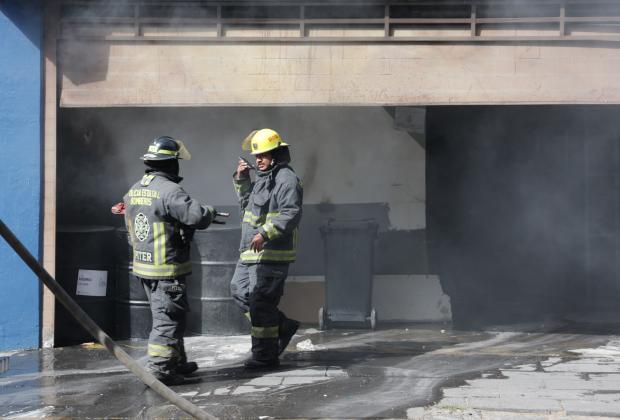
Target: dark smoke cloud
523, 211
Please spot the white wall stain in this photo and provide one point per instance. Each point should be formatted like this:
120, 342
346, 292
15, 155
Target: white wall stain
403, 297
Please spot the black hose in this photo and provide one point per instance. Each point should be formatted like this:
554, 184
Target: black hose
90, 326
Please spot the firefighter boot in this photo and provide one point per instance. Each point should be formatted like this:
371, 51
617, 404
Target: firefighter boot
288, 328
170, 379
187, 368
253, 364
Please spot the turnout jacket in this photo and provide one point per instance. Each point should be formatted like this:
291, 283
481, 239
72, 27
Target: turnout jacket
270, 206
161, 219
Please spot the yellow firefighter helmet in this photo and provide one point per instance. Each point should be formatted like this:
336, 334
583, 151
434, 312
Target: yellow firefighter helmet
262, 141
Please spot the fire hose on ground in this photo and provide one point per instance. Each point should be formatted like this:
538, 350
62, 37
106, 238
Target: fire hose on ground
90, 326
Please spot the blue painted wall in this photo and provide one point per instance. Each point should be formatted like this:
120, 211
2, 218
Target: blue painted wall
21, 32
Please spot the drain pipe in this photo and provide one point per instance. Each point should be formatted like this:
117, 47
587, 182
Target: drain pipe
90, 326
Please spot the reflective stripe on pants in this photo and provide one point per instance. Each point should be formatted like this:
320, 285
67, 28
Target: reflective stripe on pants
257, 289
168, 302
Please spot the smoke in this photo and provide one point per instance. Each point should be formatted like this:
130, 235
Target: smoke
87, 170
523, 211
353, 164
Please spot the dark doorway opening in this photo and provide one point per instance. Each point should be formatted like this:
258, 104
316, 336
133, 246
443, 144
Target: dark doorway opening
522, 212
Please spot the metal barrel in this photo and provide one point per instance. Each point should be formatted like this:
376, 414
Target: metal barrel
84, 262
214, 255
132, 310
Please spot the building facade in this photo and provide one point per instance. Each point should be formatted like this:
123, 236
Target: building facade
359, 89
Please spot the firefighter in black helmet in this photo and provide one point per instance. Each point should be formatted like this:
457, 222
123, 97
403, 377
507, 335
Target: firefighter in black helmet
161, 218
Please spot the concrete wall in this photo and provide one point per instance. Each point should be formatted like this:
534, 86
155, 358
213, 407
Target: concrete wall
119, 74
20, 167
353, 162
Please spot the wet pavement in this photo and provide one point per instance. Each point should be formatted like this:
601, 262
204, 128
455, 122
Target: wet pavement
417, 371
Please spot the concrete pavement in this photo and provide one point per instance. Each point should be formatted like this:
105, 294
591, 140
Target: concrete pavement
419, 372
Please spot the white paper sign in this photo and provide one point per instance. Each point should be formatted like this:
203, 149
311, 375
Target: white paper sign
92, 283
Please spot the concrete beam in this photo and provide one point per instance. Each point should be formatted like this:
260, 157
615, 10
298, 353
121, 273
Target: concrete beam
98, 74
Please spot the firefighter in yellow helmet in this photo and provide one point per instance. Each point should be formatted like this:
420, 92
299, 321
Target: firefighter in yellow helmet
271, 210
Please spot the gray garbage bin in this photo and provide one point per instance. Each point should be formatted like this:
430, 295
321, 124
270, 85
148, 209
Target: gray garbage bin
349, 257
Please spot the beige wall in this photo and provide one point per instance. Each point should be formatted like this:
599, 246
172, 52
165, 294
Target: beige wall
118, 74
416, 298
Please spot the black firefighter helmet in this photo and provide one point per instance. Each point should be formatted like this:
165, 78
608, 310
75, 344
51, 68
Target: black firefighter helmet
165, 148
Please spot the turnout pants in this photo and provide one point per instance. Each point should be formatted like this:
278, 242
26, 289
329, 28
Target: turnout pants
168, 302
257, 289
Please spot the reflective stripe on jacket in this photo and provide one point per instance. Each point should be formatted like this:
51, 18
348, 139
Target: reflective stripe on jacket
161, 218
270, 206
